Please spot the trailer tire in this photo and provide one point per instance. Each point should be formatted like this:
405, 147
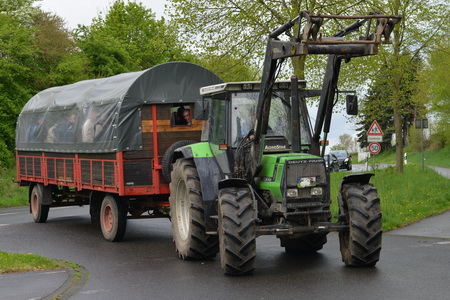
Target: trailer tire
360, 245
187, 214
167, 159
305, 244
236, 230
113, 218
38, 210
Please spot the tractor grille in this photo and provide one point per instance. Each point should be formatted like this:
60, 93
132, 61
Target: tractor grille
304, 175
304, 168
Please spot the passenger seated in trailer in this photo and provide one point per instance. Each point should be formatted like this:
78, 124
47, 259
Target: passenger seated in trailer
66, 133
90, 128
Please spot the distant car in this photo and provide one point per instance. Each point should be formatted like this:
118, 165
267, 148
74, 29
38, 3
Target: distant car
333, 162
344, 158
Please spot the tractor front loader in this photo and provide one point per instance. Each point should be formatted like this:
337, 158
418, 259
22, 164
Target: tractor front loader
260, 168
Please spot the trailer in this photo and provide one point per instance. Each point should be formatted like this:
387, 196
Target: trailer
109, 143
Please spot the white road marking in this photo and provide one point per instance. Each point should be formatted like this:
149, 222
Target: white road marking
442, 243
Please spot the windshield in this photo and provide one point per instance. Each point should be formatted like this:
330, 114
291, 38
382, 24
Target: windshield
243, 116
340, 153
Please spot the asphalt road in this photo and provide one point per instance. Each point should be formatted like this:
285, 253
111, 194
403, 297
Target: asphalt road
413, 265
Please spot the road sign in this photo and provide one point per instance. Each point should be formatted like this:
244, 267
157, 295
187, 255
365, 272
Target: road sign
374, 138
375, 129
374, 148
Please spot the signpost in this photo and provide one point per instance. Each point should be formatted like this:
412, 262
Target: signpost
374, 135
374, 148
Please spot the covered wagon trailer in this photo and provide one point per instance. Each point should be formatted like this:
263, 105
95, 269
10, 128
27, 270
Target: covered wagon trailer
109, 143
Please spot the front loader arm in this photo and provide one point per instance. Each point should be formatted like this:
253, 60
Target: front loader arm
309, 41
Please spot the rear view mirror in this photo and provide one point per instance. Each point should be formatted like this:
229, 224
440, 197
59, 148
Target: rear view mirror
352, 105
201, 109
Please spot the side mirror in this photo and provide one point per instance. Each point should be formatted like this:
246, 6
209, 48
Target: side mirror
201, 109
352, 105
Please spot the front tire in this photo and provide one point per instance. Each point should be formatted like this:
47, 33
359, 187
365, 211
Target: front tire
188, 215
37, 209
360, 245
113, 219
236, 230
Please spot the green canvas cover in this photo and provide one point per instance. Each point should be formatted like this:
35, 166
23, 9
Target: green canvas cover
103, 115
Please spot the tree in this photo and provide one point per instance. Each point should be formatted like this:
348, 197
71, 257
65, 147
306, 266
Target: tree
17, 64
346, 142
59, 61
419, 29
127, 38
377, 105
238, 28
440, 90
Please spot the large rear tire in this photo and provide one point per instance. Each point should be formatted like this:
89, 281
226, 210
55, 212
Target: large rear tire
360, 245
37, 209
188, 215
113, 218
236, 230
305, 244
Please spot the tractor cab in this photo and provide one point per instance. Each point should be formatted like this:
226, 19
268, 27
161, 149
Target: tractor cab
230, 109
238, 100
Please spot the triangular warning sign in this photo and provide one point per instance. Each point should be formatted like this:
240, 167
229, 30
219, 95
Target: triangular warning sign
375, 129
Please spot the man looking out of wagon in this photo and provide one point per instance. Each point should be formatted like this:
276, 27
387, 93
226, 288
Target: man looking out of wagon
187, 116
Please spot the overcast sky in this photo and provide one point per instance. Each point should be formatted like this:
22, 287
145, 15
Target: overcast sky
76, 12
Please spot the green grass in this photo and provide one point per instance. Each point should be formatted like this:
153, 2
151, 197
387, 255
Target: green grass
440, 158
10, 193
12, 262
404, 198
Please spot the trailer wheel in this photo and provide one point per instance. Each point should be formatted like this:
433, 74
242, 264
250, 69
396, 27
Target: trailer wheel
236, 230
167, 159
37, 209
188, 215
305, 244
113, 219
360, 245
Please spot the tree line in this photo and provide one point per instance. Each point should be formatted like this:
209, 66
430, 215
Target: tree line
407, 80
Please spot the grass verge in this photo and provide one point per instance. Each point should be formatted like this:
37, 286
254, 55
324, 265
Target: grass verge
14, 262
10, 194
405, 198
438, 158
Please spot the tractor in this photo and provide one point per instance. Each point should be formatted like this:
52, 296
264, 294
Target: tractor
260, 168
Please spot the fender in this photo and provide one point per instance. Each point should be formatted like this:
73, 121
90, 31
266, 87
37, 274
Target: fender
362, 178
209, 174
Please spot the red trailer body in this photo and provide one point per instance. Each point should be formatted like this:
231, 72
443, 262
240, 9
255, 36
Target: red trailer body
125, 175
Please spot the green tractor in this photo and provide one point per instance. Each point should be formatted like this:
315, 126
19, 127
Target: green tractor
260, 169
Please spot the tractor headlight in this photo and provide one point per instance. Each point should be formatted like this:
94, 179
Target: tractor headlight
316, 191
291, 193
